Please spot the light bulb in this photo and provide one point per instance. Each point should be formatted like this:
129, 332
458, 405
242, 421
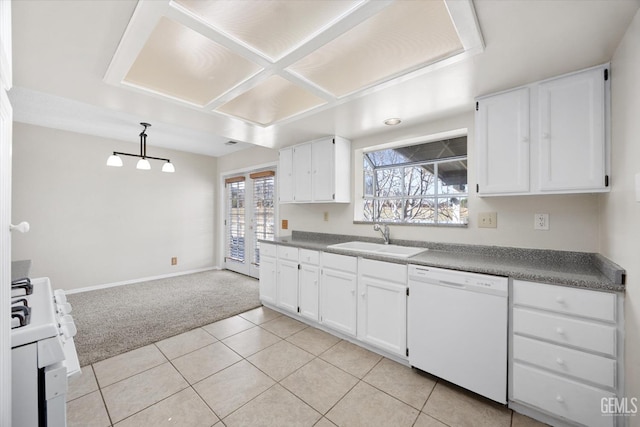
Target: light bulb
114, 160
143, 164
168, 167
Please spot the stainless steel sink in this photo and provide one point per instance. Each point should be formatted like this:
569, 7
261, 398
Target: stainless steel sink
380, 249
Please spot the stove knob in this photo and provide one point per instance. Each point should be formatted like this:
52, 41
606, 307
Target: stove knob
64, 308
68, 327
60, 297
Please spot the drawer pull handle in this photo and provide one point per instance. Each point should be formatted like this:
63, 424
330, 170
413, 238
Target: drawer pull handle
559, 361
559, 399
560, 300
560, 331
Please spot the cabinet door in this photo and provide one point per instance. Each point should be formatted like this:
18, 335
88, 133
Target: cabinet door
268, 280
572, 132
338, 301
323, 163
502, 143
285, 175
302, 173
382, 314
287, 295
308, 288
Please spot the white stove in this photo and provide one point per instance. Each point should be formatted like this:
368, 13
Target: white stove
43, 354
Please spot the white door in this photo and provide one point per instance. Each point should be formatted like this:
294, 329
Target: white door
268, 279
249, 216
338, 300
302, 172
287, 285
308, 288
502, 143
322, 170
5, 254
382, 313
572, 132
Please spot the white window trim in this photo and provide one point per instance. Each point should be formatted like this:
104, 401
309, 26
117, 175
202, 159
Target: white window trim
358, 171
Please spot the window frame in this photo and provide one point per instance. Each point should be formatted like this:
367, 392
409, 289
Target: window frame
437, 196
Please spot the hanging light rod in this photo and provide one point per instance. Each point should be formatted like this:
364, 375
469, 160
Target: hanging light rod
143, 163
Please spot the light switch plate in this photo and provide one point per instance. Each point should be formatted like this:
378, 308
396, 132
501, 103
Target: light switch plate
541, 221
488, 220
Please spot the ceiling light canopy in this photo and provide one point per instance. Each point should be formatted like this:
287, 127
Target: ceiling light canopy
143, 163
270, 62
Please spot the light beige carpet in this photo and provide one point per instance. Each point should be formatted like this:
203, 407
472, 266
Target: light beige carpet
115, 320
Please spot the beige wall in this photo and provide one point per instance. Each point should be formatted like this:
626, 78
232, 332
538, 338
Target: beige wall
620, 212
92, 224
574, 219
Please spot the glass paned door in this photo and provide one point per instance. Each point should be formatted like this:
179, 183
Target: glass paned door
250, 216
235, 224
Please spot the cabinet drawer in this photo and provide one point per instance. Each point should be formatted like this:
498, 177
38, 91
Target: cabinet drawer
566, 398
309, 257
340, 262
578, 302
288, 253
267, 249
574, 332
384, 270
586, 366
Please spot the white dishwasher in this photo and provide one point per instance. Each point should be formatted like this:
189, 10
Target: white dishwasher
457, 328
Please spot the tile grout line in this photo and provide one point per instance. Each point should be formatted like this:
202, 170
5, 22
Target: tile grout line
279, 382
104, 402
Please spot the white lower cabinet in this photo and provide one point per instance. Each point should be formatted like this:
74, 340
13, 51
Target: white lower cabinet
268, 273
382, 305
287, 279
565, 352
560, 396
338, 284
309, 284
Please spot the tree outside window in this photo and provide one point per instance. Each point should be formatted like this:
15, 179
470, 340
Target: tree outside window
422, 184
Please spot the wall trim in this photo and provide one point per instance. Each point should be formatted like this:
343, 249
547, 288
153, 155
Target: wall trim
139, 280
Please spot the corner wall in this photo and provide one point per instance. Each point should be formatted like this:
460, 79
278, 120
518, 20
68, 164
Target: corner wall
92, 224
620, 212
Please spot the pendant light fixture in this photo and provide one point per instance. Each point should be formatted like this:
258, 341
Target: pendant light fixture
143, 163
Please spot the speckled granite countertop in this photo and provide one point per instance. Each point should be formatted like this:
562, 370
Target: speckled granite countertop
577, 269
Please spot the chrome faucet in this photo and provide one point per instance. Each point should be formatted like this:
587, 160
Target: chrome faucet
384, 231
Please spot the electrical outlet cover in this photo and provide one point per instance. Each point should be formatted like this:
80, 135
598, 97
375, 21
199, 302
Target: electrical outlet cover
488, 220
541, 221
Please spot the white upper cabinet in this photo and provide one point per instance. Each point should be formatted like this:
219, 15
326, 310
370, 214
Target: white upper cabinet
320, 171
302, 182
572, 132
549, 137
502, 140
285, 175
323, 156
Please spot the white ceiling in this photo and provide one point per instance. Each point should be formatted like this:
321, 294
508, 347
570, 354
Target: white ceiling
63, 50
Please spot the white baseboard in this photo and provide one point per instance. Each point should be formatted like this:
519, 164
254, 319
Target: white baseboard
140, 280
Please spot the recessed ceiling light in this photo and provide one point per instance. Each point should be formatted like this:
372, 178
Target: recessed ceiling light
392, 122
231, 143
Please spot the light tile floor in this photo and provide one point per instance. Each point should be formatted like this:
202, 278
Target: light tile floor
264, 369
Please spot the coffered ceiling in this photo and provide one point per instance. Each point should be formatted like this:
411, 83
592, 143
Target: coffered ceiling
274, 73
268, 61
